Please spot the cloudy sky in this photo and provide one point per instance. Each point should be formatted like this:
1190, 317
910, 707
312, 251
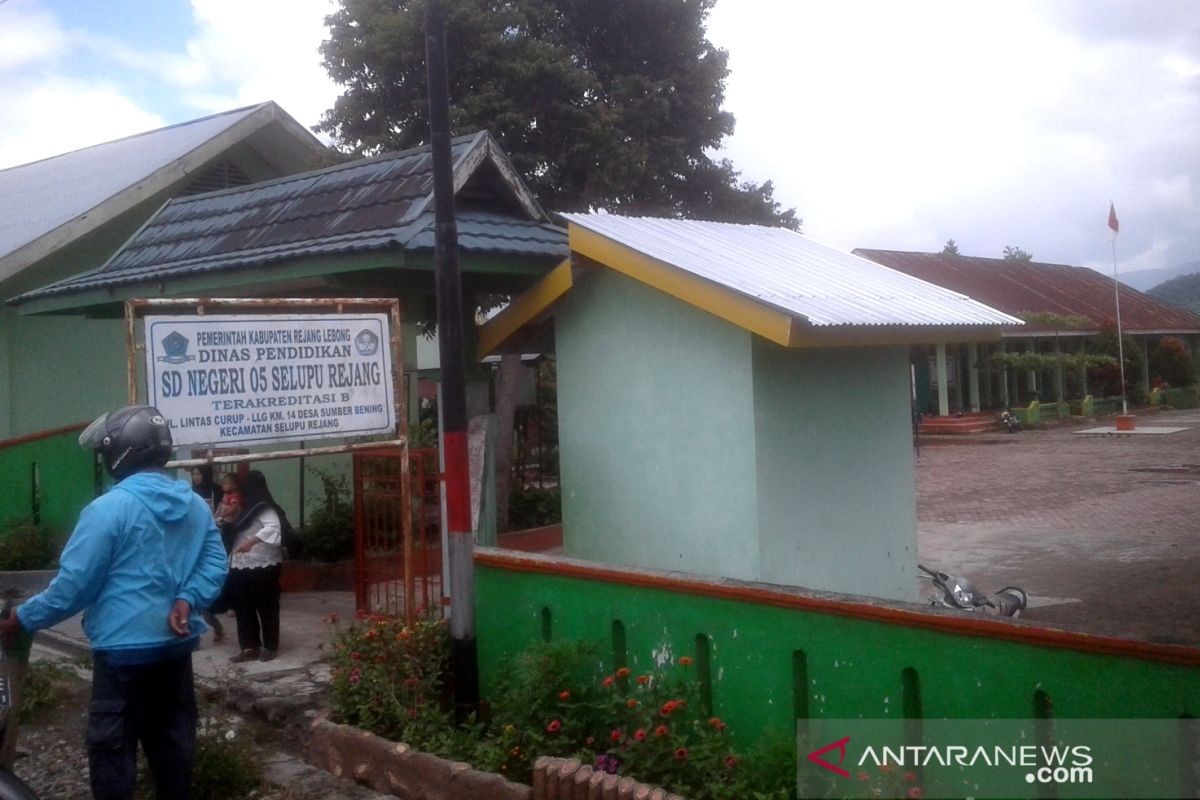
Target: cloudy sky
885, 124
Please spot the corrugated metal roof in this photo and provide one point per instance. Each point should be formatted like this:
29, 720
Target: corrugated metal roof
367, 205
1018, 286
39, 198
792, 273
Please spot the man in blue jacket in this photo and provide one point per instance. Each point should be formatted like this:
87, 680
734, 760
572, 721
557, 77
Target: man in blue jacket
142, 558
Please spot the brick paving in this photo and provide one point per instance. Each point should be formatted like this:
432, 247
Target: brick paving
1103, 530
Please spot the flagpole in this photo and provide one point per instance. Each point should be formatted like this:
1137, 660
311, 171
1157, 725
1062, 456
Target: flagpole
1117, 294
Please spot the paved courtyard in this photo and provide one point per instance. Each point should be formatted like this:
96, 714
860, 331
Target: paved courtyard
1102, 530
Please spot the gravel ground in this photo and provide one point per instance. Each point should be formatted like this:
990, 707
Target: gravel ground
52, 760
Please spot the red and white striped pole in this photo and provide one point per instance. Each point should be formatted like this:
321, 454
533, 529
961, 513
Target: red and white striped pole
461, 545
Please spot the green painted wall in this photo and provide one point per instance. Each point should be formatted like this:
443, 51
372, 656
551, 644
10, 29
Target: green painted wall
656, 442
687, 443
6, 394
66, 475
66, 370
836, 484
854, 666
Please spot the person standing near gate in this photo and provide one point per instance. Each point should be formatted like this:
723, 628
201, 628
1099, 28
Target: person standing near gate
142, 557
254, 568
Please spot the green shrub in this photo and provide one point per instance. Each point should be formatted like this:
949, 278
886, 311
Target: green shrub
1171, 362
223, 768
534, 508
388, 678
226, 765
24, 545
328, 534
46, 686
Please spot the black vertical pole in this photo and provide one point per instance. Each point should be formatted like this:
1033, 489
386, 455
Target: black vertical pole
454, 406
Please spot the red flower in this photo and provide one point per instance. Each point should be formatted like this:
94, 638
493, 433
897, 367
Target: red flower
715, 722
685, 660
554, 726
639, 734
356, 656
411, 681
915, 793
643, 680
660, 731
372, 634
589, 741
631, 703
668, 707
731, 762
681, 754
623, 672
610, 680
616, 736
911, 777
355, 675
564, 695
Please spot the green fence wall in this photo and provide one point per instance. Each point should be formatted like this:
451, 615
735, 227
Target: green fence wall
776, 655
65, 476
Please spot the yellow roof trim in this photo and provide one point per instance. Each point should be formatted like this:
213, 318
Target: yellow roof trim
730, 306
525, 308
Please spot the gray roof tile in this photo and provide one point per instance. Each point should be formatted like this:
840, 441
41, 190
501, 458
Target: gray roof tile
367, 205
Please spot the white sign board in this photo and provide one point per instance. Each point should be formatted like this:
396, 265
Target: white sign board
236, 380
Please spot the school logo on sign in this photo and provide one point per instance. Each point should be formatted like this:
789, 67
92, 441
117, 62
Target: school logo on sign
175, 345
366, 343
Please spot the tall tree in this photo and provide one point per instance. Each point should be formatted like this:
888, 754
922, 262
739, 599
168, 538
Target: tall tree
610, 104
951, 248
1017, 254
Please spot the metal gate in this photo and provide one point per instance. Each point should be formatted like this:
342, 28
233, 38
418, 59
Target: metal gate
398, 567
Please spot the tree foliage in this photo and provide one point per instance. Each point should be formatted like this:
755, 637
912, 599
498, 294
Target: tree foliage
1017, 254
950, 248
1171, 362
1059, 322
610, 104
1107, 378
1046, 361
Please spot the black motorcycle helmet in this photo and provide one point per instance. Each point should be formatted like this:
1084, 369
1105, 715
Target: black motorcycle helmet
129, 439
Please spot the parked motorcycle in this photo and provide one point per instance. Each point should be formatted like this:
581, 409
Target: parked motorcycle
960, 593
1010, 421
13, 662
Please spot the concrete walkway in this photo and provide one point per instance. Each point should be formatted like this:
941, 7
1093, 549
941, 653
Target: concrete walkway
303, 636
1103, 530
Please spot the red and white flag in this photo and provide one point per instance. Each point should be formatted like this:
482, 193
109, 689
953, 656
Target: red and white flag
1113, 225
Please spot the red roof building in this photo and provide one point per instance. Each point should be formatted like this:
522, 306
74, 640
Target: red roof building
1065, 308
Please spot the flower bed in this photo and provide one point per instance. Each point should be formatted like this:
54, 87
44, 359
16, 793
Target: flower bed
653, 726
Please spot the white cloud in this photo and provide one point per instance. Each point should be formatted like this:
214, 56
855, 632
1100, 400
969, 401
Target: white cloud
245, 53
28, 35
63, 115
902, 125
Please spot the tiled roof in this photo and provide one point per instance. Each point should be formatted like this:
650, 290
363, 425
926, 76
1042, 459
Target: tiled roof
373, 204
1016, 287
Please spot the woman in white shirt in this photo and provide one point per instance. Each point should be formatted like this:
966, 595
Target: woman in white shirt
254, 566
